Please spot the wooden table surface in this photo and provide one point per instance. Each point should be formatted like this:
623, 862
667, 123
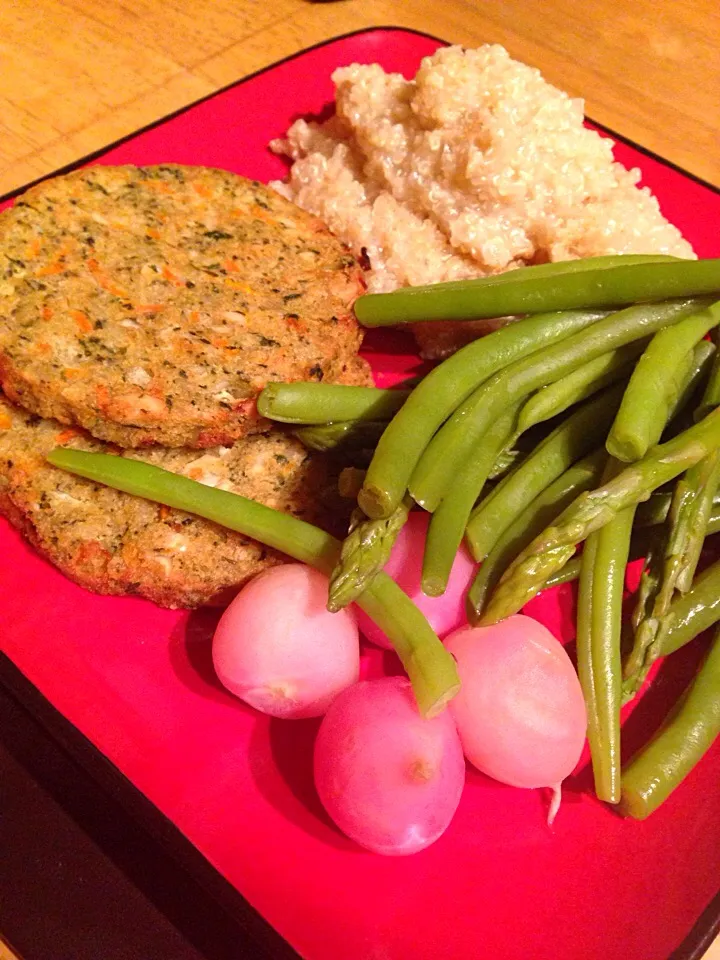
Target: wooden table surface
78, 74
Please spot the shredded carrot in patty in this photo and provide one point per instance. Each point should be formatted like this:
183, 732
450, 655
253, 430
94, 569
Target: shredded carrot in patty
5, 420
202, 190
164, 512
160, 185
74, 373
82, 320
33, 248
65, 435
167, 274
103, 280
46, 313
295, 324
260, 214
237, 285
57, 266
149, 307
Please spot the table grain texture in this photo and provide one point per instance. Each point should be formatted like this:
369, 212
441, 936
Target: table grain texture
76, 75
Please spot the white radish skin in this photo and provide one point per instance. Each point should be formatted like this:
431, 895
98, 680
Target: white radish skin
444, 613
389, 779
278, 649
520, 711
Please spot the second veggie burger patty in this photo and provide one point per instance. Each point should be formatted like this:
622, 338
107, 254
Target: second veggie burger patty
152, 304
111, 542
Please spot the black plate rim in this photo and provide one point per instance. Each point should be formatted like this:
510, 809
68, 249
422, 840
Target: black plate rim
72, 741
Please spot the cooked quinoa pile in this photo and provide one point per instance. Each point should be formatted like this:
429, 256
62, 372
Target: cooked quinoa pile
476, 166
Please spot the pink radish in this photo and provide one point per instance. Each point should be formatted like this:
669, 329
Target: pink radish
520, 711
446, 612
278, 649
390, 779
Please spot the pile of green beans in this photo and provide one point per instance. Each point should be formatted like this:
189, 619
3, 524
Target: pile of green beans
612, 384
611, 360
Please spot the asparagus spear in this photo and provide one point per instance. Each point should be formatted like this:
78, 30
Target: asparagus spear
364, 552
508, 458
643, 540
591, 511
672, 569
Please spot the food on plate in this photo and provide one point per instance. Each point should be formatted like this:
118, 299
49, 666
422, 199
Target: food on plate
578, 385
582, 475
429, 667
689, 614
569, 461
450, 516
611, 282
455, 517
440, 394
457, 439
389, 778
365, 551
711, 397
354, 439
152, 304
574, 438
111, 542
520, 711
684, 739
648, 394
279, 649
474, 167
180, 311
314, 403
601, 590
569, 488
444, 613
590, 511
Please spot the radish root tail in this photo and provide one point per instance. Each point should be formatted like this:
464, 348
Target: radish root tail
554, 802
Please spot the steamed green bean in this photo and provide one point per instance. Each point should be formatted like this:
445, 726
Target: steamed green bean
614, 282
648, 392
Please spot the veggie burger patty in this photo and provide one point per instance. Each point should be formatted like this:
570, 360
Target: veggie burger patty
111, 542
152, 304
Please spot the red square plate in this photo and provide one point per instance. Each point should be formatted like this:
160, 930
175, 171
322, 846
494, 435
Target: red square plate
137, 682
